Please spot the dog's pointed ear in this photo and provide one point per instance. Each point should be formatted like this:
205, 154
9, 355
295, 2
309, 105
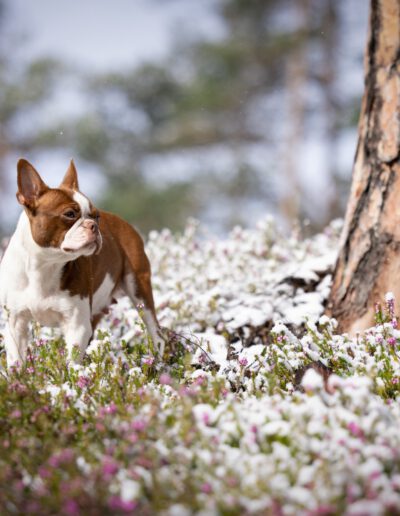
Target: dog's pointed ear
71, 178
30, 184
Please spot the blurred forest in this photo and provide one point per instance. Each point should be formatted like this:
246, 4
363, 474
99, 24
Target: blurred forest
217, 130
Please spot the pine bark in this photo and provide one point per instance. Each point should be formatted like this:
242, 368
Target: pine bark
369, 258
296, 75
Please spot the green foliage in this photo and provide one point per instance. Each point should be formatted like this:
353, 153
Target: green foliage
32, 86
147, 207
91, 138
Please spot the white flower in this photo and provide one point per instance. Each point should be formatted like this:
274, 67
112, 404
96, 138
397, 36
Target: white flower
80, 405
301, 496
93, 347
135, 371
278, 427
389, 296
130, 490
312, 380
178, 510
84, 466
324, 320
68, 390
75, 366
54, 391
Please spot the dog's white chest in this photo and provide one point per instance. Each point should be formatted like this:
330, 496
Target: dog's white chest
37, 297
32, 287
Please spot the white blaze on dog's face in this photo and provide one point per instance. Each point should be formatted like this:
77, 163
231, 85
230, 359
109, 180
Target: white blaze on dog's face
84, 235
60, 218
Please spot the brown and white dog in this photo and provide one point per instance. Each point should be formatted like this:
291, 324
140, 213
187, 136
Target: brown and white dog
65, 264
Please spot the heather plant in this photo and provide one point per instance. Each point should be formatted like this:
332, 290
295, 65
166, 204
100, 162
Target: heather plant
259, 406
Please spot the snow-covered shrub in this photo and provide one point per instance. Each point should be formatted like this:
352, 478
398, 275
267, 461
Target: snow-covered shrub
259, 407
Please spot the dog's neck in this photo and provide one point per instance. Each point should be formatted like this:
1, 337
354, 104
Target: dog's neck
42, 267
34, 255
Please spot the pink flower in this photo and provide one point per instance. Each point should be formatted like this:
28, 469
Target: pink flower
44, 472
206, 488
112, 408
203, 358
100, 427
139, 425
148, 361
374, 475
53, 461
165, 379
352, 493
391, 341
390, 303
324, 510
200, 380
243, 361
355, 429
117, 504
71, 508
110, 467
61, 457
133, 438
19, 485
15, 367
32, 508
83, 381
184, 390
206, 418
18, 387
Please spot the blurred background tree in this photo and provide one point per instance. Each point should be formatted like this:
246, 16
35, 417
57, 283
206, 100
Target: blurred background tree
221, 128
21, 91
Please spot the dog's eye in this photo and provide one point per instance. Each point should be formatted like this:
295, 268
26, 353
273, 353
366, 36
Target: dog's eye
70, 214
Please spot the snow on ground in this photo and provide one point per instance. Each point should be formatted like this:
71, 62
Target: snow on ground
250, 279
259, 407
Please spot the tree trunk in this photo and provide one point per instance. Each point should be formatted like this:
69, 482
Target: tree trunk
296, 76
369, 259
329, 42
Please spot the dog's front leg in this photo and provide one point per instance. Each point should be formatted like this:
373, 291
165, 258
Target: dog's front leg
16, 337
77, 331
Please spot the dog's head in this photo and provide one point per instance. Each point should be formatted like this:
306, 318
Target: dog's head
61, 219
